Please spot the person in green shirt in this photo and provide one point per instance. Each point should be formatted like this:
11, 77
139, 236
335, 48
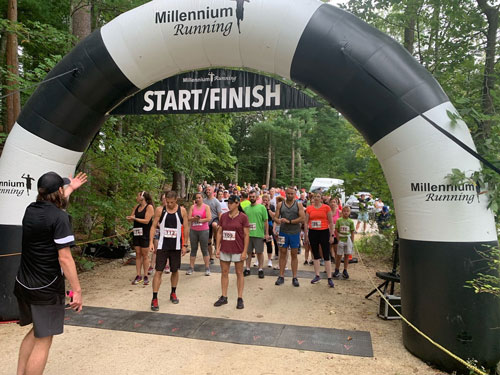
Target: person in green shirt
259, 232
244, 200
344, 232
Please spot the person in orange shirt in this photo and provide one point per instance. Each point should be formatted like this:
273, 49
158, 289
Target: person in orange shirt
319, 230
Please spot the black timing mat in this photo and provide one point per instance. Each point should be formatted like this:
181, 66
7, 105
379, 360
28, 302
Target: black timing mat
328, 340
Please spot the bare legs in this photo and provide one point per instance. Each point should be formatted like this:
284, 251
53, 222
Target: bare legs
141, 260
33, 354
224, 279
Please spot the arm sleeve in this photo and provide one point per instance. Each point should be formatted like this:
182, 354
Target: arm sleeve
63, 233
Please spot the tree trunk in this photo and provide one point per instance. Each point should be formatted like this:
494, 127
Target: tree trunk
411, 19
299, 159
273, 167
81, 19
13, 101
491, 14
179, 183
236, 166
292, 178
269, 156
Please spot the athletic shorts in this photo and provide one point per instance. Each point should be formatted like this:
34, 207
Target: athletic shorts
286, 240
227, 257
48, 320
256, 243
343, 248
173, 257
319, 237
157, 235
141, 242
210, 229
363, 216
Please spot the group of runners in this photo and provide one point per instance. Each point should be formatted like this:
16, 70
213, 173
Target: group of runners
235, 224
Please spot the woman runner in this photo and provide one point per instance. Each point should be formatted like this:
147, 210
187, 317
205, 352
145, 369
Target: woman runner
233, 237
142, 216
319, 230
199, 217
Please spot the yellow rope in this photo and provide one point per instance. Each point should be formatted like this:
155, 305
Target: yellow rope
465, 363
9, 255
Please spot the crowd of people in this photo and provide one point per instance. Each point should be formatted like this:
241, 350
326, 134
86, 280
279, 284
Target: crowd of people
236, 224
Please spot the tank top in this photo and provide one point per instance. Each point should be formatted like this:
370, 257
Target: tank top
140, 229
203, 215
171, 230
289, 213
318, 217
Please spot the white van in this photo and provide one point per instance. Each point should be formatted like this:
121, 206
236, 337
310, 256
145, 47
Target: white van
323, 184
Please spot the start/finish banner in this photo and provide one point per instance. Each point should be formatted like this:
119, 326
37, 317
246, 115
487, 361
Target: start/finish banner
212, 91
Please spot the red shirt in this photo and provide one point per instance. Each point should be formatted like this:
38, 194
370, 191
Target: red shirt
318, 217
233, 234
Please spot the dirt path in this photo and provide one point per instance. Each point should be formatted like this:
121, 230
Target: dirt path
92, 351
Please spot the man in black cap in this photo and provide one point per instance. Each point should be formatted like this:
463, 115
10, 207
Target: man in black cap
46, 258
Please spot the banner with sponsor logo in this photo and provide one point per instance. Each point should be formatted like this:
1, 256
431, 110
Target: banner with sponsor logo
213, 91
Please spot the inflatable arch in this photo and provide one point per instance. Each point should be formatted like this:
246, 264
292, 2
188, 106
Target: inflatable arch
365, 74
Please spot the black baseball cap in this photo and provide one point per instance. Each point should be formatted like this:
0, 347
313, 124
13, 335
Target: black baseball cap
51, 182
234, 198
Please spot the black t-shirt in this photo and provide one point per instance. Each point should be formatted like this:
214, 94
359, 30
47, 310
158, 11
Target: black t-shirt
46, 230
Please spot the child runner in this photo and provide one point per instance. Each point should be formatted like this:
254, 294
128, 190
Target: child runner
343, 228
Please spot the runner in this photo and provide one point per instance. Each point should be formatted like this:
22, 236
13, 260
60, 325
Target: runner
336, 214
45, 260
223, 201
199, 217
142, 215
259, 232
344, 231
216, 211
270, 220
319, 230
232, 243
289, 216
171, 217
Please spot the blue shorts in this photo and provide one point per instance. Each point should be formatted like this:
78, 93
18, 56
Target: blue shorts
289, 240
363, 216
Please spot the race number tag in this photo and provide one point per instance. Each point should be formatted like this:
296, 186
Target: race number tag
253, 226
281, 240
316, 224
137, 232
229, 235
170, 232
196, 224
344, 229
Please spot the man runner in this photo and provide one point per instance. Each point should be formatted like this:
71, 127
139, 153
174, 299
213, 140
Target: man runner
216, 211
289, 215
174, 230
259, 232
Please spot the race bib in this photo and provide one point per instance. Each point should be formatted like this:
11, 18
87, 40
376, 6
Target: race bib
229, 235
253, 226
344, 229
281, 240
170, 232
196, 224
138, 232
316, 224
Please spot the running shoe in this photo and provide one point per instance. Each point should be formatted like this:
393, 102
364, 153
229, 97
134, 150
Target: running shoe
330, 283
256, 264
280, 280
221, 301
189, 271
306, 263
345, 275
315, 280
261, 274
207, 272
137, 280
321, 262
174, 299
146, 280
270, 263
239, 304
167, 269
295, 282
150, 271
154, 304
336, 274
212, 261
311, 262
246, 272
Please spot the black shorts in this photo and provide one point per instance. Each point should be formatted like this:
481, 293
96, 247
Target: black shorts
173, 257
48, 320
140, 241
320, 237
210, 230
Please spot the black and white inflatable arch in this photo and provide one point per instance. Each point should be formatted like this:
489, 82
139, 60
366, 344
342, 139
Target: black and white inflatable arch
365, 74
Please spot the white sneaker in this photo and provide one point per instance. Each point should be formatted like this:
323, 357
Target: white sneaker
270, 263
256, 264
207, 272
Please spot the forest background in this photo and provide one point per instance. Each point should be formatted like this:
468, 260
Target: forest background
457, 41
